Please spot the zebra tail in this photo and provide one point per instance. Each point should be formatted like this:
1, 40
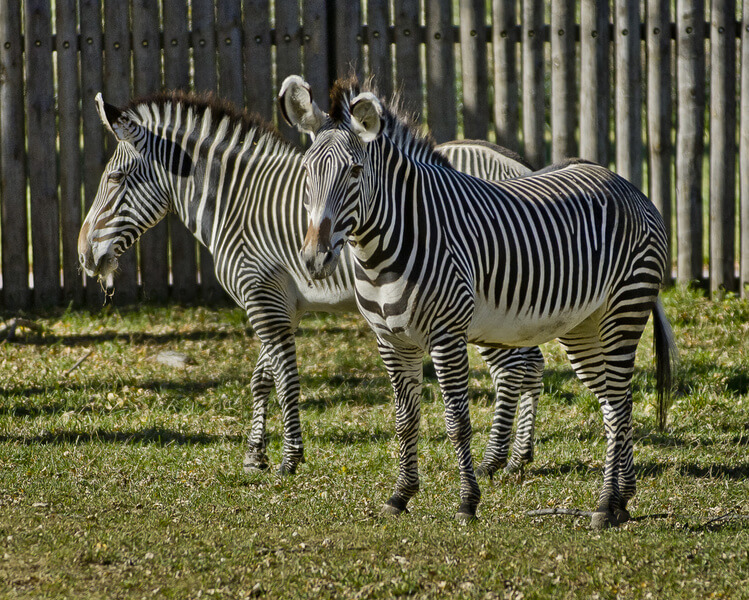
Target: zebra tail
665, 361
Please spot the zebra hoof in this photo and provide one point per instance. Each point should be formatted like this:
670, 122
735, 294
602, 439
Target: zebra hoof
621, 515
466, 513
388, 510
485, 470
254, 463
286, 469
603, 520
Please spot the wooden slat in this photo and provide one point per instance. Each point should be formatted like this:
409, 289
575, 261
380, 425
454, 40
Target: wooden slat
533, 83
690, 78
315, 48
594, 81
229, 46
659, 109
203, 40
117, 53
473, 60
744, 151
380, 59
440, 67
348, 55
288, 53
154, 268
94, 157
177, 75
407, 63
68, 98
628, 91
257, 57
40, 124
504, 51
722, 145
13, 159
563, 91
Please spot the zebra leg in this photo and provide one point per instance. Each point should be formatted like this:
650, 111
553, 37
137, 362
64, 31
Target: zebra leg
450, 359
256, 458
507, 373
522, 448
405, 370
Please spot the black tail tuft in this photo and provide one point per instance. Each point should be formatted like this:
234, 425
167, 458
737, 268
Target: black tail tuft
665, 360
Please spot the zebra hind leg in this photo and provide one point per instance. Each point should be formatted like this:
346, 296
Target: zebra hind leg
523, 446
256, 457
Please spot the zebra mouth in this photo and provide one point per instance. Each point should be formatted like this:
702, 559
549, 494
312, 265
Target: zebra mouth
103, 268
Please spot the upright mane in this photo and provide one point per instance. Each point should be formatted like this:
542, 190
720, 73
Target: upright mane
146, 108
401, 127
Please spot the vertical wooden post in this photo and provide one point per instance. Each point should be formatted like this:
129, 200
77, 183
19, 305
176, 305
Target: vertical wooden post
690, 77
722, 145
348, 54
473, 62
229, 46
744, 150
177, 76
594, 81
288, 53
203, 41
68, 98
257, 58
315, 46
440, 53
563, 92
628, 94
380, 59
13, 159
407, 63
659, 109
533, 82
504, 51
41, 128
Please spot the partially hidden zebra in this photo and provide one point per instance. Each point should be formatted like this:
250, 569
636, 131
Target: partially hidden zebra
238, 187
443, 259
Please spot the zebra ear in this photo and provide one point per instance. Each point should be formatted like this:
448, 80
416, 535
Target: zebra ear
116, 121
297, 106
366, 116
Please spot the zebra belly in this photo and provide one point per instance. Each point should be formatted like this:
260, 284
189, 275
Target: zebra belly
491, 326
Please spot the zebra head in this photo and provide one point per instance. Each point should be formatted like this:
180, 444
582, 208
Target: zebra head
133, 193
338, 182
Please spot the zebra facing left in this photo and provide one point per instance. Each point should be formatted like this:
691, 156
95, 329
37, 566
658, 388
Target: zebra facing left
444, 259
238, 187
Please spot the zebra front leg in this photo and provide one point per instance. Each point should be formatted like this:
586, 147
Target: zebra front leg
256, 457
450, 359
523, 446
405, 370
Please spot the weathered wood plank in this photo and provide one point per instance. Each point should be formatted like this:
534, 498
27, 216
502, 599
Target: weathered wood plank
563, 89
533, 83
440, 68
315, 49
229, 45
288, 53
690, 78
659, 109
203, 41
68, 98
257, 58
13, 159
380, 58
407, 62
744, 150
504, 51
628, 91
183, 251
348, 51
154, 267
594, 81
473, 61
722, 145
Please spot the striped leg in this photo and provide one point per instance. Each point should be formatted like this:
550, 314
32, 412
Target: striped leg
405, 369
450, 359
256, 458
522, 448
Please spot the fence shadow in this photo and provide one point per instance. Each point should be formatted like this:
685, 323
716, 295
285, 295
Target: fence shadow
157, 436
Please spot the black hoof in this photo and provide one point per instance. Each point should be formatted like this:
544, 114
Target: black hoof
394, 506
485, 470
603, 520
466, 513
254, 463
621, 515
286, 469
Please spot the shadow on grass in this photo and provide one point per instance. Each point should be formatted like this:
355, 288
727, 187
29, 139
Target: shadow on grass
134, 338
152, 436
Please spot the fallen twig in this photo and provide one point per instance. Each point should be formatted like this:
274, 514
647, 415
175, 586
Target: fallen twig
726, 517
78, 363
575, 512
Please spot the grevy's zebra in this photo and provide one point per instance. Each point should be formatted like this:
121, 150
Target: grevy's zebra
238, 188
442, 259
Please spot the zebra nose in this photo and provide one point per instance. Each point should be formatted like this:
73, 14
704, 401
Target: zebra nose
319, 263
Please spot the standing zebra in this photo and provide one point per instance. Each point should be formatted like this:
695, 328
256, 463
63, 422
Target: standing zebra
443, 259
238, 187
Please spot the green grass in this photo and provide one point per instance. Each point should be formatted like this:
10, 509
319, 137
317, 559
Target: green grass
124, 478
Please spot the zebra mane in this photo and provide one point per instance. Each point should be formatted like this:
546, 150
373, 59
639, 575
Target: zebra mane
400, 126
145, 108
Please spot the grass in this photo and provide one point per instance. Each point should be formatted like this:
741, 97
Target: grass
123, 479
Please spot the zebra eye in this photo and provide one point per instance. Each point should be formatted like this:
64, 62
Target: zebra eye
356, 170
116, 176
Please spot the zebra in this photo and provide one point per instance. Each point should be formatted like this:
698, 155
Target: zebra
443, 259
238, 187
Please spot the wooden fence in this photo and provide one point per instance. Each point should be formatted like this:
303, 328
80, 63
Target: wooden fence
614, 82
